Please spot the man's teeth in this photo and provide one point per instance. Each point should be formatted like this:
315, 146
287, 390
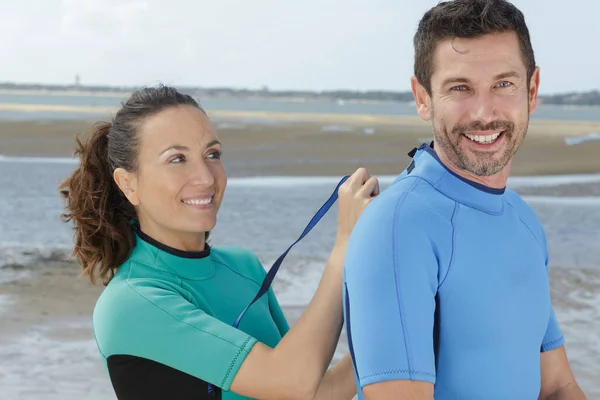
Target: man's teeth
484, 139
198, 202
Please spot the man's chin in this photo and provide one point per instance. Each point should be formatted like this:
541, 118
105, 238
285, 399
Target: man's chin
485, 170
472, 163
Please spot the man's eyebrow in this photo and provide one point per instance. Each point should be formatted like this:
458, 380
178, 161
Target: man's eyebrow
448, 81
510, 74
460, 79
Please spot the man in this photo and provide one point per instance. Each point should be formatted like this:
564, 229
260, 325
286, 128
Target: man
446, 279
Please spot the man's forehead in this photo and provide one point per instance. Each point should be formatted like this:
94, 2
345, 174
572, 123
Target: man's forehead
503, 41
490, 54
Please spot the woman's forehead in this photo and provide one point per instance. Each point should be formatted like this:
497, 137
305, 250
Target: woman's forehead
187, 124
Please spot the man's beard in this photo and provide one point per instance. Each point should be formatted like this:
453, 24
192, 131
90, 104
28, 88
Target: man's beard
485, 162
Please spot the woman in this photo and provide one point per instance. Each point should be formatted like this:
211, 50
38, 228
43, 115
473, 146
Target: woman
143, 201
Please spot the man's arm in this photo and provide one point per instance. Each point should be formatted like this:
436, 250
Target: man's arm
399, 390
558, 382
339, 383
391, 280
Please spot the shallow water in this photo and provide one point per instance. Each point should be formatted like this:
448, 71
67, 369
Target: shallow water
266, 215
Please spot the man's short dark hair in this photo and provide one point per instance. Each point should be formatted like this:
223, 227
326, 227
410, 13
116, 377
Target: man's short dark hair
468, 19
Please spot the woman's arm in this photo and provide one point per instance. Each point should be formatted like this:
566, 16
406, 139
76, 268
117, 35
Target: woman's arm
338, 383
295, 368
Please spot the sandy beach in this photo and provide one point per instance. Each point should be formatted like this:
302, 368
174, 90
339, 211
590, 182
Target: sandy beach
47, 345
49, 326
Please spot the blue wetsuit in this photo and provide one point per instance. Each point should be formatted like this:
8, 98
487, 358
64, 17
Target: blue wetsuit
446, 281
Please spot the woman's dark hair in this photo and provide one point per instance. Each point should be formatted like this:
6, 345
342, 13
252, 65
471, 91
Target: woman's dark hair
468, 19
101, 214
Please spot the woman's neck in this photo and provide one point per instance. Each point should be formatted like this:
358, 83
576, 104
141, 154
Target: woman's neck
180, 240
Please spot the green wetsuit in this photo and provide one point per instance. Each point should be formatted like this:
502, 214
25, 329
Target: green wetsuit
163, 324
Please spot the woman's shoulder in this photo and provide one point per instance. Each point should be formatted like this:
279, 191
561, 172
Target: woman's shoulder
241, 260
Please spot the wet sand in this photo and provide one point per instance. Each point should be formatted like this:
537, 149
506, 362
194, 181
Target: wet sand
566, 190
258, 144
48, 346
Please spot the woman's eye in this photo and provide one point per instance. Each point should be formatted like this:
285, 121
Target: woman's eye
215, 154
177, 160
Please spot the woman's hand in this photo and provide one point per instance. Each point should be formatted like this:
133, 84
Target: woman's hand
353, 197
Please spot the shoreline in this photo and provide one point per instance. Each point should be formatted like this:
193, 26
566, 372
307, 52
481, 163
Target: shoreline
69, 90
378, 119
66, 92
330, 145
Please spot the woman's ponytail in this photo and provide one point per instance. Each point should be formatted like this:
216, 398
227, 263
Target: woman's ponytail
100, 213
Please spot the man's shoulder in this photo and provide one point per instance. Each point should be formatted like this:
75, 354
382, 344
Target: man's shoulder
413, 197
408, 209
522, 208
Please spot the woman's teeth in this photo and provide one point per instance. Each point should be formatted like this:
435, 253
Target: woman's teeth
198, 202
484, 139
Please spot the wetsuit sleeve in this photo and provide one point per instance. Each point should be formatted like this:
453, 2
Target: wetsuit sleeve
391, 282
277, 313
553, 337
161, 325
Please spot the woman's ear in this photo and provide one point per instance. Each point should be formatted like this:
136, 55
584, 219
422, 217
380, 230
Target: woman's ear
127, 182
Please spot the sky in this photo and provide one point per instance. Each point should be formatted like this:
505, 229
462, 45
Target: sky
281, 44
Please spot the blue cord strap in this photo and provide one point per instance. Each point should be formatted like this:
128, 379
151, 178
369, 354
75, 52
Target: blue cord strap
273, 271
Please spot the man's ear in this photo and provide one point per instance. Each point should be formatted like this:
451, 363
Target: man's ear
534, 86
127, 182
422, 99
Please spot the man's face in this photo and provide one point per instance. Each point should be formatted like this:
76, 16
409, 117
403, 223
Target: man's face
480, 102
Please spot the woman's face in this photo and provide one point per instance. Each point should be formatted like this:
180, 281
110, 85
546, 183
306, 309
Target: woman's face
180, 181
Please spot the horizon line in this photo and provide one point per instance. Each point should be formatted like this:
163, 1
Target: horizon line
263, 89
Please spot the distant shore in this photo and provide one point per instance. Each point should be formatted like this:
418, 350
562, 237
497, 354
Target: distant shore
267, 143
580, 98
125, 94
551, 126
66, 92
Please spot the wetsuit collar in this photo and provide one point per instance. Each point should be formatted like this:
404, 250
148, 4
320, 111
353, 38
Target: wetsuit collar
428, 166
185, 264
